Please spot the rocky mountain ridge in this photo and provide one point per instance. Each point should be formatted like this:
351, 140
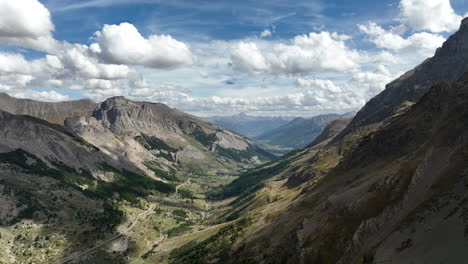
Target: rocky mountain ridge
52, 112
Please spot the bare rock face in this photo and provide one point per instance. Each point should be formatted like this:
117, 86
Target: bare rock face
447, 65
120, 115
52, 112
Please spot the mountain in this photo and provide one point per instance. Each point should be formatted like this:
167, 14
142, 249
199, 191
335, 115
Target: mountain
249, 126
150, 132
52, 112
299, 132
388, 188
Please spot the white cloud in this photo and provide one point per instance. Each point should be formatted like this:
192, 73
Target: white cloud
354, 93
432, 15
423, 43
315, 52
15, 63
26, 23
246, 57
326, 85
123, 44
49, 96
265, 33
368, 84
78, 60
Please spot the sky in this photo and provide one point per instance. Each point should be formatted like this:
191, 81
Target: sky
219, 57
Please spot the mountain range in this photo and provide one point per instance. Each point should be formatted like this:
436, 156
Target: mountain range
249, 126
278, 134
299, 132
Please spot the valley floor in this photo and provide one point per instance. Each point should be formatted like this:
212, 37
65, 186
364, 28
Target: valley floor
151, 230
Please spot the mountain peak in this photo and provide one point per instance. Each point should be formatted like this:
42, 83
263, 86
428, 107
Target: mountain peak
4, 95
464, 22
117, 99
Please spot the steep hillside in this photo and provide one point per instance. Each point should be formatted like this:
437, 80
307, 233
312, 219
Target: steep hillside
331, 130
50, 143
299, 132
52, 112
249, 126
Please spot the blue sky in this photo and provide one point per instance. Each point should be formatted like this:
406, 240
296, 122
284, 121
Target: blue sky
222, 20
272, 57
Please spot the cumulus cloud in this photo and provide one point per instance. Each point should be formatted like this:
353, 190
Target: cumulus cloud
423, 43
325, 85
432, 15
246, 57
315, 52
123, 44
78, 59
48, 96
26, 23
368, 84
16, 63
354, 93
265, 33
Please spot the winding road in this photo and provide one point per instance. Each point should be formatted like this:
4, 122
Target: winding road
180, 185
79, 254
